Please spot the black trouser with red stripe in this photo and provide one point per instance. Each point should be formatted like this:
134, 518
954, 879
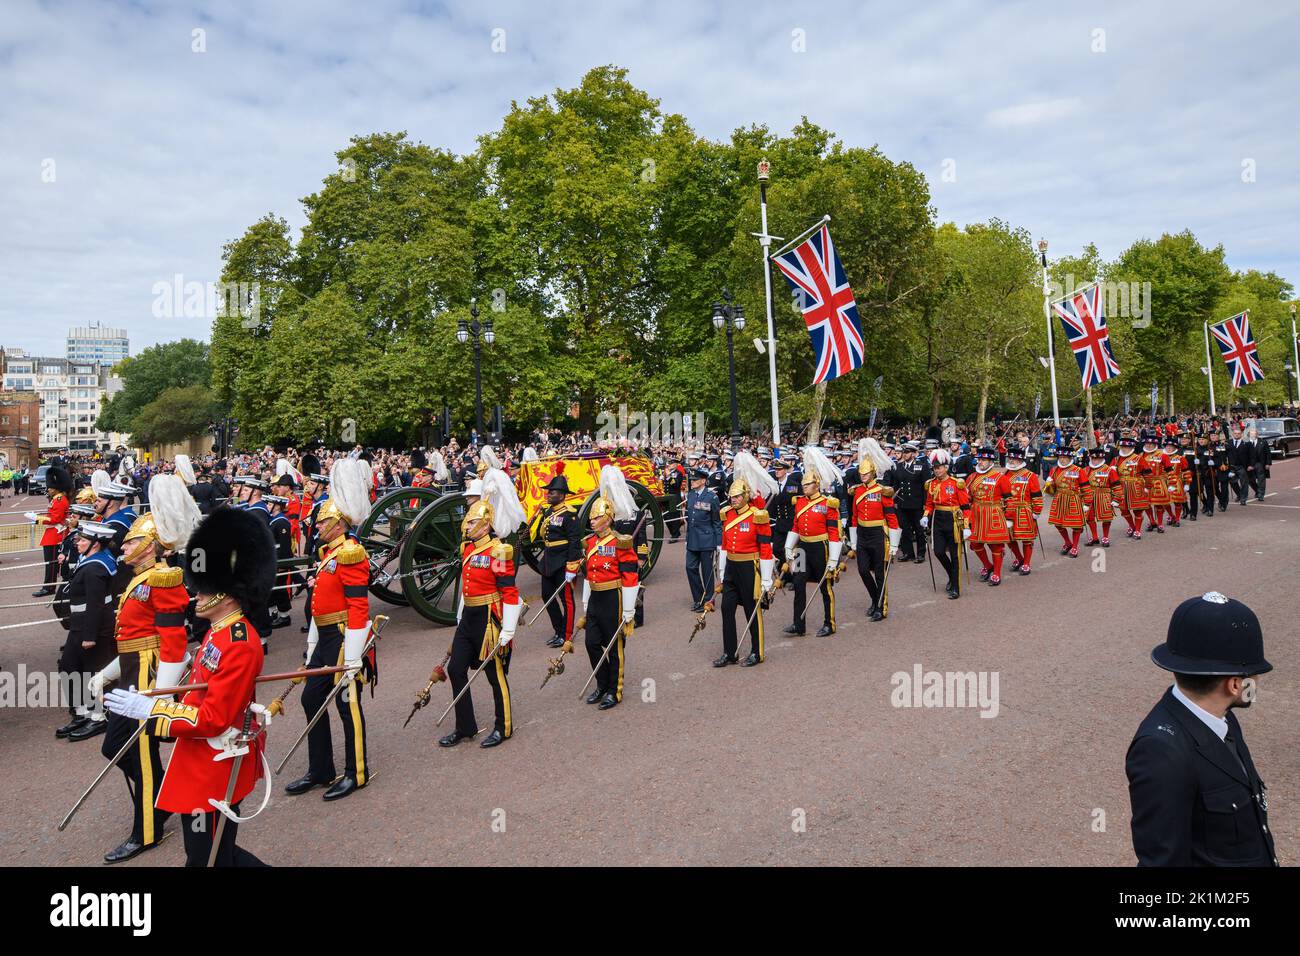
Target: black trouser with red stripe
561, 609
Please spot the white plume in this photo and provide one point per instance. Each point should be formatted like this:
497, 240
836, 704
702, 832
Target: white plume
100, 480
746, 466
499, 492
175, 513
940, 456
816, 462
438, 467
350, 488
184, 469
489, 456
282, 467
613, 485
869, 448
530, 454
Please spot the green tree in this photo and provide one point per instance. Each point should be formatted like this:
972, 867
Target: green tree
146, 376
176, 414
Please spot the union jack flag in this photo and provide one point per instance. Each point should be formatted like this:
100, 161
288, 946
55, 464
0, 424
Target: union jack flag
1238, 348
815, 274
1083, 316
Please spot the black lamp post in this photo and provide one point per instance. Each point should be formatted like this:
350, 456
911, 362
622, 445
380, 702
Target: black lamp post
732, 318
481, 333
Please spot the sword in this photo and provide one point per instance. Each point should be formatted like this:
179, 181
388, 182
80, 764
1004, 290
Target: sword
117, 758
825, 574
230, 790
377, 626
556, 667
438, 676
478, 670
553, 596
700, 620
603, 657
768, 595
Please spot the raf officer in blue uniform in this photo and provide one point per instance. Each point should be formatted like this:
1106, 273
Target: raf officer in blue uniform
703, 537
1197, 798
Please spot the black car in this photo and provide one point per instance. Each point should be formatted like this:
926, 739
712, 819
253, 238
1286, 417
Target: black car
1282, 435
36, 482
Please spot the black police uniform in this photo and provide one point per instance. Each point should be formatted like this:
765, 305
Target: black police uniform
557, 526
1197, 799
781, 512
909, 500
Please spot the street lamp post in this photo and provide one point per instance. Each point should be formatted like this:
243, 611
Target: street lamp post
1287, 365
481, 333
732, 318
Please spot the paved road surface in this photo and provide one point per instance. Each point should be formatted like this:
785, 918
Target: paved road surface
703, 766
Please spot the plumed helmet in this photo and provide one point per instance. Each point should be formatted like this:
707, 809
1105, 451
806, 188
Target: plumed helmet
870, 453
602, 507
438, 466
740, 487
480, 510
487, 458
185, 469
499, 491
349, 492
142, 527
232, 552
86, 495
613, 485
175, 512
747, 468
819, 468
940, 457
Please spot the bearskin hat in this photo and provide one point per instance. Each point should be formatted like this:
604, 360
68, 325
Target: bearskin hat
232, 552
58, 479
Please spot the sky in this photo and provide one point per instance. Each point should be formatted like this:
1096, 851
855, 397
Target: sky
137, 138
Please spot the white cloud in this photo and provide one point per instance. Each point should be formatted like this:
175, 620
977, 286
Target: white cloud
162, 155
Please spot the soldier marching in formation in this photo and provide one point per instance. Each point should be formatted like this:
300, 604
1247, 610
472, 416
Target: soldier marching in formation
947, 517
816, 535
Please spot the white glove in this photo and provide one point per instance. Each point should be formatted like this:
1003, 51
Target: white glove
30, 515
1010, 523
853, 538
170, 673
354, 645
586, 593
129, 704
263, 715
791, 539
95, 686
1086, 509
925, 521
313, 635
895, 536
965, 533
765, 573
629, 602
722, 568
836, 548
569, 577
509, 621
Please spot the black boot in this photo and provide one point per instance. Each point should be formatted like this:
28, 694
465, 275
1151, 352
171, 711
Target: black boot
305, 783
793, 629
77, 723
608, 701
555, 641
492, 739
594, 696
724, 660
342, 787
751, 660
453, 738
825, 631
91, 728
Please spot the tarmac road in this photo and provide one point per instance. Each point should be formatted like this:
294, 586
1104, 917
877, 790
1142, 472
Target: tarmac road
802, 760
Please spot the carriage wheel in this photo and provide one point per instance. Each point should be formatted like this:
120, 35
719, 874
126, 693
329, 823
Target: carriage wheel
430, 559
381, 535
531, 551
654, 523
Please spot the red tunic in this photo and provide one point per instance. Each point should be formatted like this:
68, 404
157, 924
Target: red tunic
1104, 488
1025, 503
610, 561
988, 518
293, 511
1158, 465
746, 534
229, 661
341, 594
947, 494
1132, 469
817, 518
55, 515
1177, 478
873, 507
151, 613
1066, 488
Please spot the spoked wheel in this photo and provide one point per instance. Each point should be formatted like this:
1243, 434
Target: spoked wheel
531, 551
654, 523
430, 559
382, 536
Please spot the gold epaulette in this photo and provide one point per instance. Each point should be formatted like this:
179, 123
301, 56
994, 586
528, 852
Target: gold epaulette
165, 577
352, 552
760, 516
726, 510
832, 502
503, 552
623, 540
887, 491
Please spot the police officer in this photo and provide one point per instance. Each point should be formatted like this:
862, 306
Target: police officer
556, 526
703, 537
674, 489
1197, 798
913, 474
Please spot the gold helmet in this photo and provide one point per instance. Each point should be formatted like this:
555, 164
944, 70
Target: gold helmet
142, 527
329, 511
866, 470
480, 510
602, 507
740, 487
86, 496
811, 477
